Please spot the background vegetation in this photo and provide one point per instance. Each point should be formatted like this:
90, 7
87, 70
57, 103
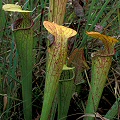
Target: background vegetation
87, 15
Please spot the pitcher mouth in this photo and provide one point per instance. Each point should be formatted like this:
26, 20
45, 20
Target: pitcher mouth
97, 54
17, 25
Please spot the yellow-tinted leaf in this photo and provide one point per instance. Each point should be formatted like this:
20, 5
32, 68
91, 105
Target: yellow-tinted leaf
55, 29
108, 41
51, 27
102, 37
13, 8
68, 32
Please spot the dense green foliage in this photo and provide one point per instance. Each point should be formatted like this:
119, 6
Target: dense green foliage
96, 15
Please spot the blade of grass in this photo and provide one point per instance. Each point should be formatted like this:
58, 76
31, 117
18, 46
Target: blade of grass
110, 13
113, 110
11, 88
118, 17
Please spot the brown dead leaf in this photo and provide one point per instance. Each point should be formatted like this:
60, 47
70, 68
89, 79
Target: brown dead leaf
78, 9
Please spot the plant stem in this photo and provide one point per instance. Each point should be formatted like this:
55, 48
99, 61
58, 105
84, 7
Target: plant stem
100, 69
65, 92
24, 42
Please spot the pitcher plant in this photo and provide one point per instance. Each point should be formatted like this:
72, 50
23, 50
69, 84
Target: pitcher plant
101, 62
56, 59
22, 30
